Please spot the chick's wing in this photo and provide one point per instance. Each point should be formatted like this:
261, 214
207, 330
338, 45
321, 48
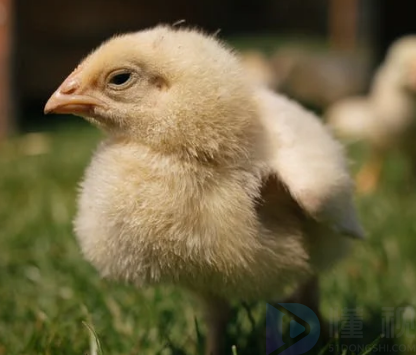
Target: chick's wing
308, 162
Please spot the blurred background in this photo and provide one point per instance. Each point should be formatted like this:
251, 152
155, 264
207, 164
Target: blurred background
315, 51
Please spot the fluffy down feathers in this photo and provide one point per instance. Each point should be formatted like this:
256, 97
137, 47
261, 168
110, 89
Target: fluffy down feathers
174, 193
309, 163
206, 180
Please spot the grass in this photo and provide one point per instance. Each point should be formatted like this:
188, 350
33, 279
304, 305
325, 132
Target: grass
53, 302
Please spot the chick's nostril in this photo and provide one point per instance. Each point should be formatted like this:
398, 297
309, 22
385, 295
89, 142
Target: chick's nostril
69, 87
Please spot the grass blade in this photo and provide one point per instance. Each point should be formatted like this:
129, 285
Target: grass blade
95, 345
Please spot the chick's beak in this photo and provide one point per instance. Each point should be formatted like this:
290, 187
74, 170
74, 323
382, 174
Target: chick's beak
69, 98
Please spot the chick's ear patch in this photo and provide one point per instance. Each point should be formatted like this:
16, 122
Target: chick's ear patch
159, 82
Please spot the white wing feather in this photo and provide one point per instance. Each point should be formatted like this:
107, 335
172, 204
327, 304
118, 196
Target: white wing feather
309, 162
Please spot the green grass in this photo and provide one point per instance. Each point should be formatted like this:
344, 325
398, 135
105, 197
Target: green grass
53, 302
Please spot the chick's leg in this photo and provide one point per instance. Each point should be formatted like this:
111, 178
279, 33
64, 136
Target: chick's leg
369, 175
216, 311
308, 294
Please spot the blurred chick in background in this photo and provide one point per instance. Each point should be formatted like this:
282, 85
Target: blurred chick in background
386, 118
321, 78
206, 180
317, 79
260, 69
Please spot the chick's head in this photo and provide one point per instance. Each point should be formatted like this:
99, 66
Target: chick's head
175, 90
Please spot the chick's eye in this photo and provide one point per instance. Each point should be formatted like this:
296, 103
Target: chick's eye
120, 79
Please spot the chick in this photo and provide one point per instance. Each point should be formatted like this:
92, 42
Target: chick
386, 119
206, 180
339, 74
260, 68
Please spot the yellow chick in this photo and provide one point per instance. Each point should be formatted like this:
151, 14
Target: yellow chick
206, 180
386, 119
